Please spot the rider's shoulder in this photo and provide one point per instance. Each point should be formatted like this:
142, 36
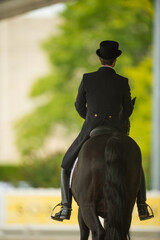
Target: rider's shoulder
89, 74
122, 78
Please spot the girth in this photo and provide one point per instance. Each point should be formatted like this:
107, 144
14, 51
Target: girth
102, 130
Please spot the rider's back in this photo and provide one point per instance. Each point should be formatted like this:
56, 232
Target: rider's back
105, 91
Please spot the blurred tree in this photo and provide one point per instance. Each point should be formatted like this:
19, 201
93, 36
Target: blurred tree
43, 172
141, 80
85, 23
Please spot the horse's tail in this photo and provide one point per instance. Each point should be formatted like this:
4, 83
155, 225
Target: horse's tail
115, 190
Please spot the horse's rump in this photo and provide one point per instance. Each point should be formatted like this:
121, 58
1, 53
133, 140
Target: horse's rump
107, 178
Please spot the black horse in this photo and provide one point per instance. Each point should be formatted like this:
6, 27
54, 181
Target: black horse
105, 183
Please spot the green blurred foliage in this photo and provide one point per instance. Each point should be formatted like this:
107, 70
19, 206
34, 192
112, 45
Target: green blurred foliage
85, 23
10, 173
43, 172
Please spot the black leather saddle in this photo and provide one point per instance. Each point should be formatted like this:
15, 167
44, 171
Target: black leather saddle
100, 130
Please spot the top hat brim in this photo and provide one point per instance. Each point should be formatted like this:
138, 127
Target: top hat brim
117, 54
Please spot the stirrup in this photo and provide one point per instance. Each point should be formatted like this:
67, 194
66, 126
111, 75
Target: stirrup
152, 214
59, 204
149, 215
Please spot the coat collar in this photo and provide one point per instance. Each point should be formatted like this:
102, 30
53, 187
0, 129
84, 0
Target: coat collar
109, 69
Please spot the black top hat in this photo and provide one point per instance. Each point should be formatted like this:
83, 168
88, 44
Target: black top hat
109, 50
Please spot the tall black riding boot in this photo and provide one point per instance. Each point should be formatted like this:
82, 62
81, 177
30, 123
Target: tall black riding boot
66, 194
141, 201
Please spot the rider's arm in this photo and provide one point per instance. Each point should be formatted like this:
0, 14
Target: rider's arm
80, 103
127, 101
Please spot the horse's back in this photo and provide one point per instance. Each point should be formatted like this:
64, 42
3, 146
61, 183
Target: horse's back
94, 148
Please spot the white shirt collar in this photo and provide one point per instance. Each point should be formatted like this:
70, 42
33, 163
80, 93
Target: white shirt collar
106, 66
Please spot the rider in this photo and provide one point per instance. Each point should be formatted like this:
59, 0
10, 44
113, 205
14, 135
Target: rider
101, 95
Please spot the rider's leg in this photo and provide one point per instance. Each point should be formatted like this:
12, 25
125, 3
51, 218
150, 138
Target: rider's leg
66, 194
67, 163
141, 201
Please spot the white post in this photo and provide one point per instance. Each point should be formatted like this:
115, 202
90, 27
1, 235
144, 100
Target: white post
155, 161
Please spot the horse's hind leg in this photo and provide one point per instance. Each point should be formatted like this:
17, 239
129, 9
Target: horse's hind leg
92, 221
84, 230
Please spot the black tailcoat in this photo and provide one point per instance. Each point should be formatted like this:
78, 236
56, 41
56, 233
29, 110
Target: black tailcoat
101, 95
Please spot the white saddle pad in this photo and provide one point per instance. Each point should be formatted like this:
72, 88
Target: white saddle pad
70, 181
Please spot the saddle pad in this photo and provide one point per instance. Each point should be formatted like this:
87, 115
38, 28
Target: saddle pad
70, 180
